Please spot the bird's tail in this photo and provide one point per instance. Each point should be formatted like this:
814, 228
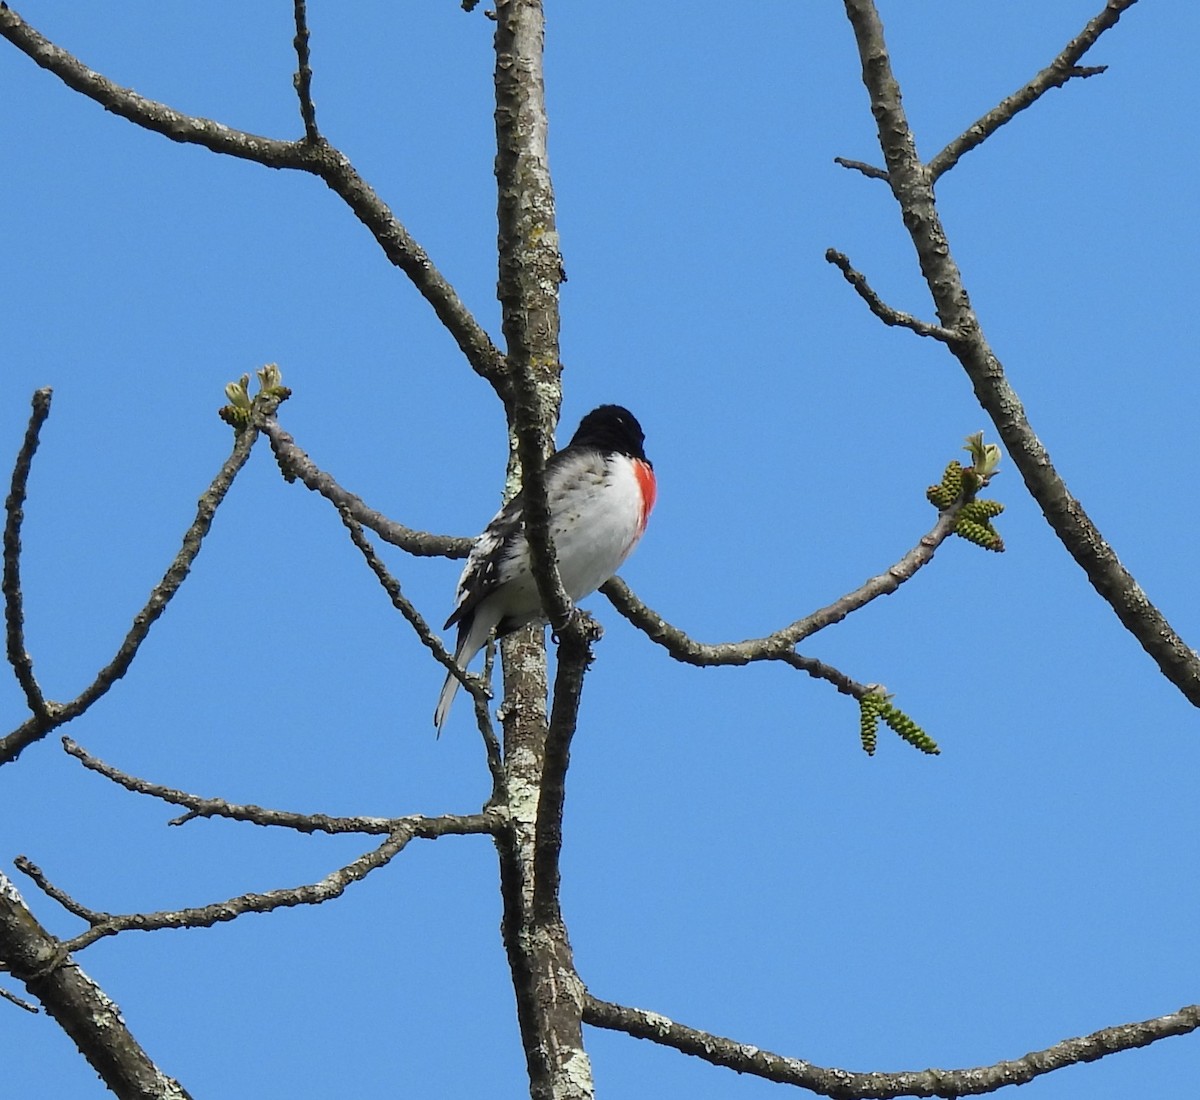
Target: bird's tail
471, 637
444, 700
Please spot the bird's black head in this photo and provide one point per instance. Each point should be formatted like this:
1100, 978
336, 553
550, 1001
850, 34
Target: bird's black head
611, 428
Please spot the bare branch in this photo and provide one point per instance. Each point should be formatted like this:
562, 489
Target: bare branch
819, 670
911, 185
876, 305
75, 908
315, 156
849, 1085
77, 1004
868, 170
574, 657
1063, 68
295, 464
303, 77
148, 113
405, 606
778, 646
57, 714
400, 248
14, 604
331, 886
20, 1002
199, 806
475, 685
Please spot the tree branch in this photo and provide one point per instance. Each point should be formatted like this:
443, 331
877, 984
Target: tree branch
331, 886
303, 78
819, 670
14, 604
574, 657
868, 170
476, 686
199, 806
913, 189
1063, 68
77, 1004
20, 1002
778, 646
877, 306
56, 714
295, 464
848, 1085
311, 154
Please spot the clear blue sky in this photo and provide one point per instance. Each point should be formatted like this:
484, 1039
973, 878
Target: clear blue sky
732, 858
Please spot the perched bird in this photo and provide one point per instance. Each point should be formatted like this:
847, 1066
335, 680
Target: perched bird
600, 488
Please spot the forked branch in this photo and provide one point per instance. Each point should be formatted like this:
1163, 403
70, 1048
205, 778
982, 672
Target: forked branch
333, 885
912, 185
79, 1006
1063, 68
310, 154
52, 715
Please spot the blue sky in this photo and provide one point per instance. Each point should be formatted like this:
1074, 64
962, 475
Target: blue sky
732, 858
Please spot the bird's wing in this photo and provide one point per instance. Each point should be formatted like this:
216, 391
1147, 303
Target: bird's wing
481, 574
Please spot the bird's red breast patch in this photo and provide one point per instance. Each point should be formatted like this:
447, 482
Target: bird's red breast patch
649, 487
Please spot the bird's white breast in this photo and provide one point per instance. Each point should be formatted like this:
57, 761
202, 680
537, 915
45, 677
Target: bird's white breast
597, 516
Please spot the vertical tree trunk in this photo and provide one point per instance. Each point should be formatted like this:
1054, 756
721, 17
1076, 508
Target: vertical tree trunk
548, 991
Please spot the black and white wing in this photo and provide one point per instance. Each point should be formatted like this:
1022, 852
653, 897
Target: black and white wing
482, 573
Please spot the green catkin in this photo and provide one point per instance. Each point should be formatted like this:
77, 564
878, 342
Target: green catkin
947, 491
981, 510
981, 534
868, 722
900, 722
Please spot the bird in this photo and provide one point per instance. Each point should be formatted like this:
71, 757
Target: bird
600, 489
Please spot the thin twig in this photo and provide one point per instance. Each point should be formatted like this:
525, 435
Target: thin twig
477, 688
295, 464
850, 1085
14, 606
331, 886
1063, 68
315, 156
868, 170
206, 807
160, 596
877, 306
819, 670
75, 908
303, 78
12, 998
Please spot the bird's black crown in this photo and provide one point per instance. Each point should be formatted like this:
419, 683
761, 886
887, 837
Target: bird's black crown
611, 428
